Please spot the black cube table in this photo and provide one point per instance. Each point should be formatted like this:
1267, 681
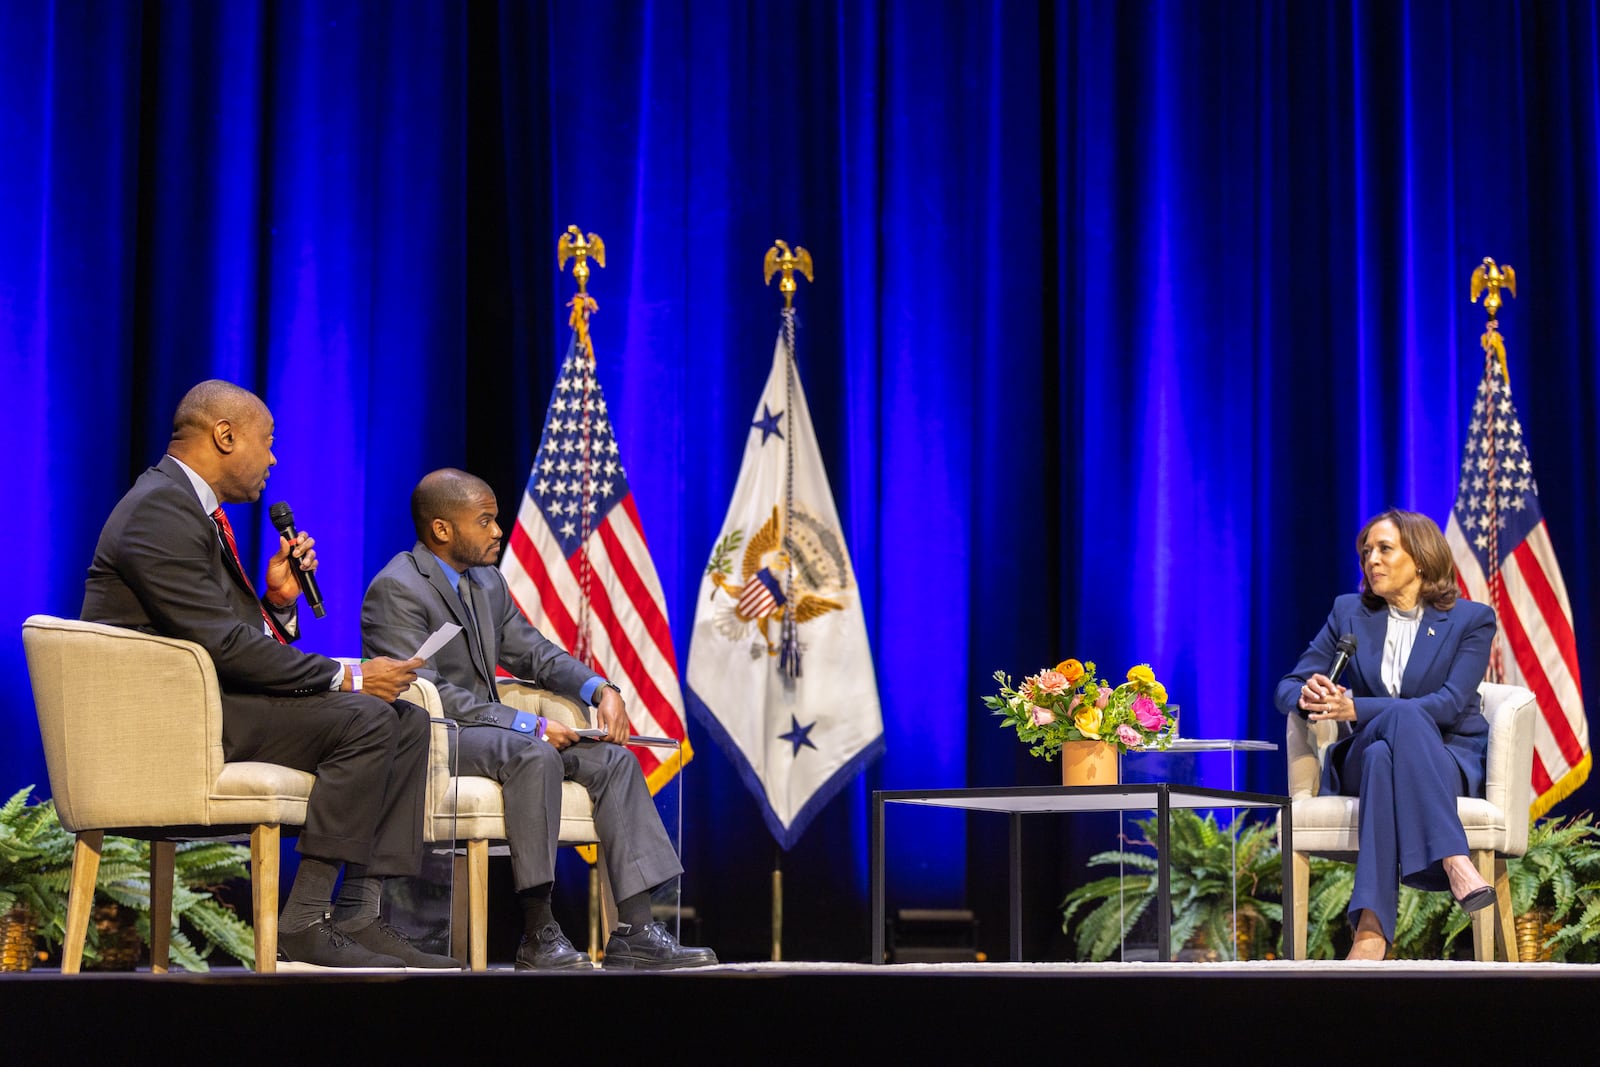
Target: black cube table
1017, 801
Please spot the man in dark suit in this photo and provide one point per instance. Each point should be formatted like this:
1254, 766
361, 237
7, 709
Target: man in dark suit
167, 563
450, 576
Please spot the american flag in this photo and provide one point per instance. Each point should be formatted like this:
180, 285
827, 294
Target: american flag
579, 566
1504, 558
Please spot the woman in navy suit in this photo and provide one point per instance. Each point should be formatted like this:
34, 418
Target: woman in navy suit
1417, 739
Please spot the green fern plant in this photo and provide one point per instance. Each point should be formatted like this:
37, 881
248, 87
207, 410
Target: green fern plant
1559, 877
1205, 859
1332, 883
36, 871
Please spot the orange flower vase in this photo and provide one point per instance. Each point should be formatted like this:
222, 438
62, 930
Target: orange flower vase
1089, 763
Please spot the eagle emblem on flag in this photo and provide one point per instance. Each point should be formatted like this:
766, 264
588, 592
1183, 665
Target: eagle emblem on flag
821, 578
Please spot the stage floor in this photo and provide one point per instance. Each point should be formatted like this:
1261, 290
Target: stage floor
795, 1012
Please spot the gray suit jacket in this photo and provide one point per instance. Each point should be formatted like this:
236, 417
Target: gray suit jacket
411, 597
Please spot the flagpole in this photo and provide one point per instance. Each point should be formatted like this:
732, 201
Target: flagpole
574, 245
777, 903
779, 259
1491, 278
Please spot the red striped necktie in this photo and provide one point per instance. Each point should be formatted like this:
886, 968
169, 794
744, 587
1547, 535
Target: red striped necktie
220, 517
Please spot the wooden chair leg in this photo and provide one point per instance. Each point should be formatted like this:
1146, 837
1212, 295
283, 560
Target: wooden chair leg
608, 904
1505, 926
596, 913
459, 918
80, 897
478, 904
163, 857
1483, 920
1302, 902
264, 895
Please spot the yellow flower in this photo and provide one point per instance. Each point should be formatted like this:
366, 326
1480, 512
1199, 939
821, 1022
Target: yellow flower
1087, 720
1158, 693
1072, 669
1142, 676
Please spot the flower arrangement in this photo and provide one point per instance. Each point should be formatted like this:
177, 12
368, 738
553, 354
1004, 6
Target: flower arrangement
1069, 703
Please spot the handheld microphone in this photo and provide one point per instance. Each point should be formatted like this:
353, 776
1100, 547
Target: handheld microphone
1341, 657
283, 519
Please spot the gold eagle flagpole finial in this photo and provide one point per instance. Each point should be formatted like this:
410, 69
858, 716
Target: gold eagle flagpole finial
779, 258
574, 244
1491, 277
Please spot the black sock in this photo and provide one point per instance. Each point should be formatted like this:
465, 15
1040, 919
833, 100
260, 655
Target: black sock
311, 896
536, 911
359, 898
635, 910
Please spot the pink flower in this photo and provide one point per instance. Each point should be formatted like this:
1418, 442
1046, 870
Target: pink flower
1129, 736
1149, 716
1041, 716
1051, 682
1025, 690
1104, 697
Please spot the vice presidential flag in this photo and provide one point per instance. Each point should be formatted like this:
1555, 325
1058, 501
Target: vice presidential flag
580, 569
1502, 550
780, 672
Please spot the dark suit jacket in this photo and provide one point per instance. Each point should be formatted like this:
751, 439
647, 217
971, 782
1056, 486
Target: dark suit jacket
159, 567
1448, 660
411, 598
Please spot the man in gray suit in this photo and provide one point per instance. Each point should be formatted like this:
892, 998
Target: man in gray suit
450, 576
167, 563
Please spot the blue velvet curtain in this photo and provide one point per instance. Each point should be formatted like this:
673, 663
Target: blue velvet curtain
1125, 316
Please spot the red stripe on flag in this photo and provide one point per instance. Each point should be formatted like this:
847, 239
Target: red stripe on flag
650, 613
1533, 673
628, 659
532, 563
1555, 619
1541, 777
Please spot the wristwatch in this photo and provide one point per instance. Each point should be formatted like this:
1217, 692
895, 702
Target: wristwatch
605, 685
355, 676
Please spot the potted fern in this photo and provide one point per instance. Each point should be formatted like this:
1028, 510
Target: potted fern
1207, 861
1553, 887
36, 871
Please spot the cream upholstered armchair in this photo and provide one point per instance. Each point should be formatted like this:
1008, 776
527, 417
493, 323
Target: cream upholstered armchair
472, 809
132, 729
1496, 824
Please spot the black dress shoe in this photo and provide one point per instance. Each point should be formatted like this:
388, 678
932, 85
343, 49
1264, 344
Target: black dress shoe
380, 937
1478, 899
651, 947
321, 945
549, 950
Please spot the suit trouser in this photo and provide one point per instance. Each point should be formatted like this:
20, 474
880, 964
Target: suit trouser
1408, 783
370, 759
639, 855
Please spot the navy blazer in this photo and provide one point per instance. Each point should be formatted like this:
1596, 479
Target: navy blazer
1448, 660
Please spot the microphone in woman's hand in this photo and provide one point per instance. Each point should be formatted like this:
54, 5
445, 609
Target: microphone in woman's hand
1341, 657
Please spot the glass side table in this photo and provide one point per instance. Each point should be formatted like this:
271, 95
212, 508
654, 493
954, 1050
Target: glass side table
1015, 802
1181, 763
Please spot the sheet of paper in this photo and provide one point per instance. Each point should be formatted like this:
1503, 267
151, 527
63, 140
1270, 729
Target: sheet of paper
436, 640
